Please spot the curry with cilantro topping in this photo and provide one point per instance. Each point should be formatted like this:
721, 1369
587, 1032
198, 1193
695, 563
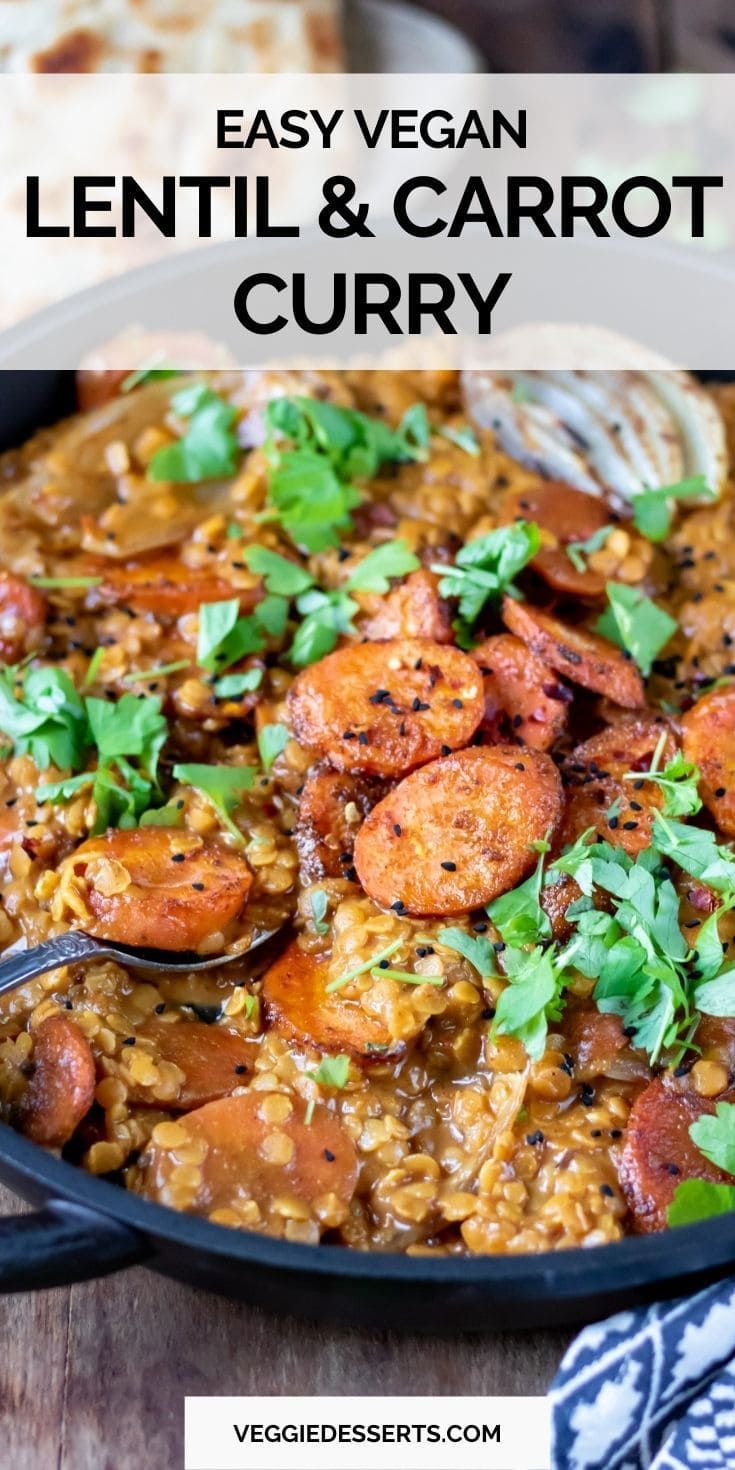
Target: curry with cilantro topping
440, 687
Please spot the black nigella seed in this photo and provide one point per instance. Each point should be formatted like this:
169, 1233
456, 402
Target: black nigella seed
349, 735
629, 826
446, 750
398, 907
488, 1014
595, 1133
480, 927
383, 964
199, 887
616, 1132
498, 946
129, 1041
587, 1095
178, 857
536, 1137
673, 1169
520, 766
450, 867
159, 1009
329, 1156
397, 828
362, 738
379, 696
607, 1190
721, 791
241, 1069
457, 704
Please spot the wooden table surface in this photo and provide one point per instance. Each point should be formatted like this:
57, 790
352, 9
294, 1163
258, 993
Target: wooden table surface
93, 1377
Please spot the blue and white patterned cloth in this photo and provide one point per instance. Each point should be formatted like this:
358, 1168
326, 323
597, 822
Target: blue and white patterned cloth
652, 1389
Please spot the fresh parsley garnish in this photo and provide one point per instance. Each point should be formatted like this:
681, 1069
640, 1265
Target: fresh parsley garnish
311, 486
484, 569
700, 1199
146, 375
373, 573
280, 576
319, 903
208, 449
518, 915
678, 781
636, 624
272, 739
233, 686
332, 1071
43, 716
476, 948
464, 437
532, 997
222, 786
129, 735
225, 637
578, 551
696, 851
652, 511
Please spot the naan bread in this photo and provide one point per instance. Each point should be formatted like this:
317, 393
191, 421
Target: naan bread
51, 36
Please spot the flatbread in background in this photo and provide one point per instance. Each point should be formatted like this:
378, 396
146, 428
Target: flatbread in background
53, 36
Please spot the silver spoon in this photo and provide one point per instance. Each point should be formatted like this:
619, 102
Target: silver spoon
76, 947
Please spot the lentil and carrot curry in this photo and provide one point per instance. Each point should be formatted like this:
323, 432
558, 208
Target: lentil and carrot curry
434, 677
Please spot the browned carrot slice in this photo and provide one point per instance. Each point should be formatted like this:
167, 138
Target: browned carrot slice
659, 1153
413, 610
384, 708
619, 811
584, 657
524, 700
629, 745
458, 832
214, 1061
22, 618
257, 1147
331, 807
709, 740
61, 1089
297, 1003
96, 386
566, 515
156, 888
162, 585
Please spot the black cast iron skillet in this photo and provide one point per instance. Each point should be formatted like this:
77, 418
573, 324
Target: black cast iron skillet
86, 1227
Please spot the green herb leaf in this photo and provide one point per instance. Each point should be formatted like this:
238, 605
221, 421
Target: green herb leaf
476, 948
518, 915
332, 1071
144, 676
319, 903
362, 969
464, 437
225, 637
163, 816
636, 624
714, 1136
531, 998
577, 551
50, 582
272, 739
93, 667
132, 726
325, 616
233, 686
484, 569
279, 574
43, 716
651, 509
146, 375
223, 787
209, 448
679, 782
696, 850
373, 573
698, 1199
271, 614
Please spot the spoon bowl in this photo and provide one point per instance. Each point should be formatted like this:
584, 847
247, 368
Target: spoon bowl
76, 948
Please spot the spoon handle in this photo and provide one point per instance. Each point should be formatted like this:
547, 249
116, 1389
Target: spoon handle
66, 949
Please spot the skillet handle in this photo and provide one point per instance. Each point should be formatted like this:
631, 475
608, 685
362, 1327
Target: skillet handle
62, 1243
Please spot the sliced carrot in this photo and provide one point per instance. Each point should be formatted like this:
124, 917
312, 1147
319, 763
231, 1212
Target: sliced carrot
565, 515
384, 708
297, 1003
458, 832
413, 610
619, 811
156, 888
61, 1089
524, 700
331, 807
22, 618
258, 1147
164, 586
658, 1152
584, 657
709, 740
214, 1061
96, 386
595, 1042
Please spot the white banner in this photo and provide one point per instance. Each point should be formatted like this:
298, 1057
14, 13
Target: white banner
363, 1433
